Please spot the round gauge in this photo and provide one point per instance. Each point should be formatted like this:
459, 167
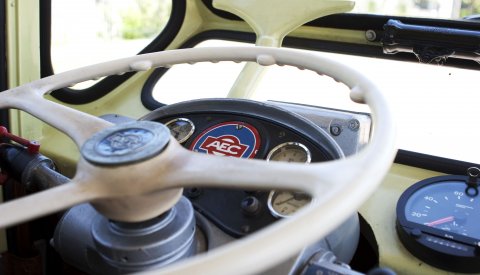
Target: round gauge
181, 128
290, 152
285, 203
438, 222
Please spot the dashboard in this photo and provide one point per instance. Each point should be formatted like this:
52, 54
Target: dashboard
249, 129
400, 227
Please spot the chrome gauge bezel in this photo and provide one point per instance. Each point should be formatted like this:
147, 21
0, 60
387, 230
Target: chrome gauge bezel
272, 209
190, 132
437, 247
298, 145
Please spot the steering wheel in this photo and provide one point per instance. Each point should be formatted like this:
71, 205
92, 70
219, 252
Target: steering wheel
130, 180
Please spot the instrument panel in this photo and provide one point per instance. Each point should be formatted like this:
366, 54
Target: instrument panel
248, 129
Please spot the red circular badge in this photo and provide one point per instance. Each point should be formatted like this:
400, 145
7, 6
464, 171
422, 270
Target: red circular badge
234, 139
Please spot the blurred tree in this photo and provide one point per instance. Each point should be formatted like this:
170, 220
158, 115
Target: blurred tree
469, 7
144, 18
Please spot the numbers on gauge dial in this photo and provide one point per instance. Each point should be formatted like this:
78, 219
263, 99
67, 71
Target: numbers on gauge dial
445, 207
181, 129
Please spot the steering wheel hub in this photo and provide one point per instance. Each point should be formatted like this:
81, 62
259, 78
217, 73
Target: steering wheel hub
126, 143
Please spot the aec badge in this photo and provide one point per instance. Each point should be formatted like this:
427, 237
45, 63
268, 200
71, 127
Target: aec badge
235, 139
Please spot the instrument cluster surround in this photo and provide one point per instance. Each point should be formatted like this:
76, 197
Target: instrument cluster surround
247, 129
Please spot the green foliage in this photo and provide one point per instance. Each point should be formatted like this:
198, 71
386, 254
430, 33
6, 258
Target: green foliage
144, 18
132, 19
372, 6
470, 7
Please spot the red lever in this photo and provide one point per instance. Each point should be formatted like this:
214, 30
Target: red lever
32, 146
3, 178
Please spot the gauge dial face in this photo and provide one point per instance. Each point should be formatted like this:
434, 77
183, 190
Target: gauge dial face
447, 207
290, 152
285, 203
181, 129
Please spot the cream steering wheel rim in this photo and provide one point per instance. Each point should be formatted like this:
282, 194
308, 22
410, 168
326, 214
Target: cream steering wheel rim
338, 187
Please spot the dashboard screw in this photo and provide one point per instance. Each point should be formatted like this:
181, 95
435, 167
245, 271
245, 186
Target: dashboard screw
336, 129
250, 205
353, 124
370, 35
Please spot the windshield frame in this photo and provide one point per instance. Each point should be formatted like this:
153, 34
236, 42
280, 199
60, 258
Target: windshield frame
106, 85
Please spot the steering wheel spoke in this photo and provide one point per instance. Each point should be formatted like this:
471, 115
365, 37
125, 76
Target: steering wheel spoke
45, 202
229, 172
77, 125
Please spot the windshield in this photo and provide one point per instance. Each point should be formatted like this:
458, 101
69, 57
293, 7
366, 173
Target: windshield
433, 105
445, 9
89, 32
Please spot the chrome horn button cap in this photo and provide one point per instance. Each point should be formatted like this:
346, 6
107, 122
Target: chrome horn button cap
126, 143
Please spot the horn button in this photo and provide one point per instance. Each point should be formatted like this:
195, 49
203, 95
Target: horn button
126, 143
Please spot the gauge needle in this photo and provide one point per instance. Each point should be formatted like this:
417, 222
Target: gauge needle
440, 221
284, 201
175, 133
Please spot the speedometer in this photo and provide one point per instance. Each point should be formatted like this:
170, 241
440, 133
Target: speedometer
438, 221
445, 207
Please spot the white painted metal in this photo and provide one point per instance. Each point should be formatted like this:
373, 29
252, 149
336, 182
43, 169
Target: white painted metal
338, 187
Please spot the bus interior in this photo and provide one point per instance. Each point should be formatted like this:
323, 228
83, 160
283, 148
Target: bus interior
239, 137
